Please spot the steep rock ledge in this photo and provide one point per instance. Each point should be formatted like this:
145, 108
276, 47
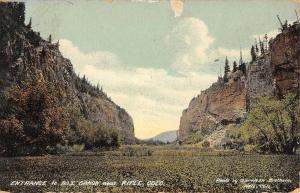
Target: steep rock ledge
25, 57
274, 73
285, 60
220, 104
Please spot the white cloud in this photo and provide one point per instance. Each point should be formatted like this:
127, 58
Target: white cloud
190, 41
192, 45
101, 59
154, 98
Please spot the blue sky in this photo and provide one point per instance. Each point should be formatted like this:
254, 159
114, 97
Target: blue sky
149, 61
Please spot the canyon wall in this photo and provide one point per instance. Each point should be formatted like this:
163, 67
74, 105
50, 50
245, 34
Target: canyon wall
26, 57
220, 104
285, 60
274, 73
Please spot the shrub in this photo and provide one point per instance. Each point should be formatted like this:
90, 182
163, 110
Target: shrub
206, 144
234, 138
193, 138
137, 151
271, 126
83, 131
249, 148
33, 117
68, 148
11, 135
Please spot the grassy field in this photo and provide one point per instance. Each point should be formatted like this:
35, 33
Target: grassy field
159, 168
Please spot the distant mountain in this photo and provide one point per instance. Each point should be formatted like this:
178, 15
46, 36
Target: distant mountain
168, 136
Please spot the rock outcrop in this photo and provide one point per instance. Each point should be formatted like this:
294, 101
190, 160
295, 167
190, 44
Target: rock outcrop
285, 60
25, 57
260, 79
274, 73
218, 105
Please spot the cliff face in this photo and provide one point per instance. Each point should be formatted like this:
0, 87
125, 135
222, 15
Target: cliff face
260, 78
275, 73
26, 57
219, 105
285, 60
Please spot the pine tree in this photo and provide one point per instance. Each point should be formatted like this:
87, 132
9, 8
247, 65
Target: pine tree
84, 79
50, 38
235, 67
266, 41
253, 53
98, 87
262, 49
256, 47
242, 67
226, 70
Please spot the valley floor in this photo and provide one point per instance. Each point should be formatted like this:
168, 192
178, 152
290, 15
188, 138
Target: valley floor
161, 169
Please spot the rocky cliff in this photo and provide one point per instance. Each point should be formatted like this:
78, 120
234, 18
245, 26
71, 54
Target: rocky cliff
26, 57
218, 105
285, 60
274, 73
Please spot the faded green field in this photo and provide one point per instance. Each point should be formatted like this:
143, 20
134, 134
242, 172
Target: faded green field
179, 168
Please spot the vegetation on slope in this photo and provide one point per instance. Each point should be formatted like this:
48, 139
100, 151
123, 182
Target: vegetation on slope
272, 125
35, 118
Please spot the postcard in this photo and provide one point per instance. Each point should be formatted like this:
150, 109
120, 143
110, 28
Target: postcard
158, 96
